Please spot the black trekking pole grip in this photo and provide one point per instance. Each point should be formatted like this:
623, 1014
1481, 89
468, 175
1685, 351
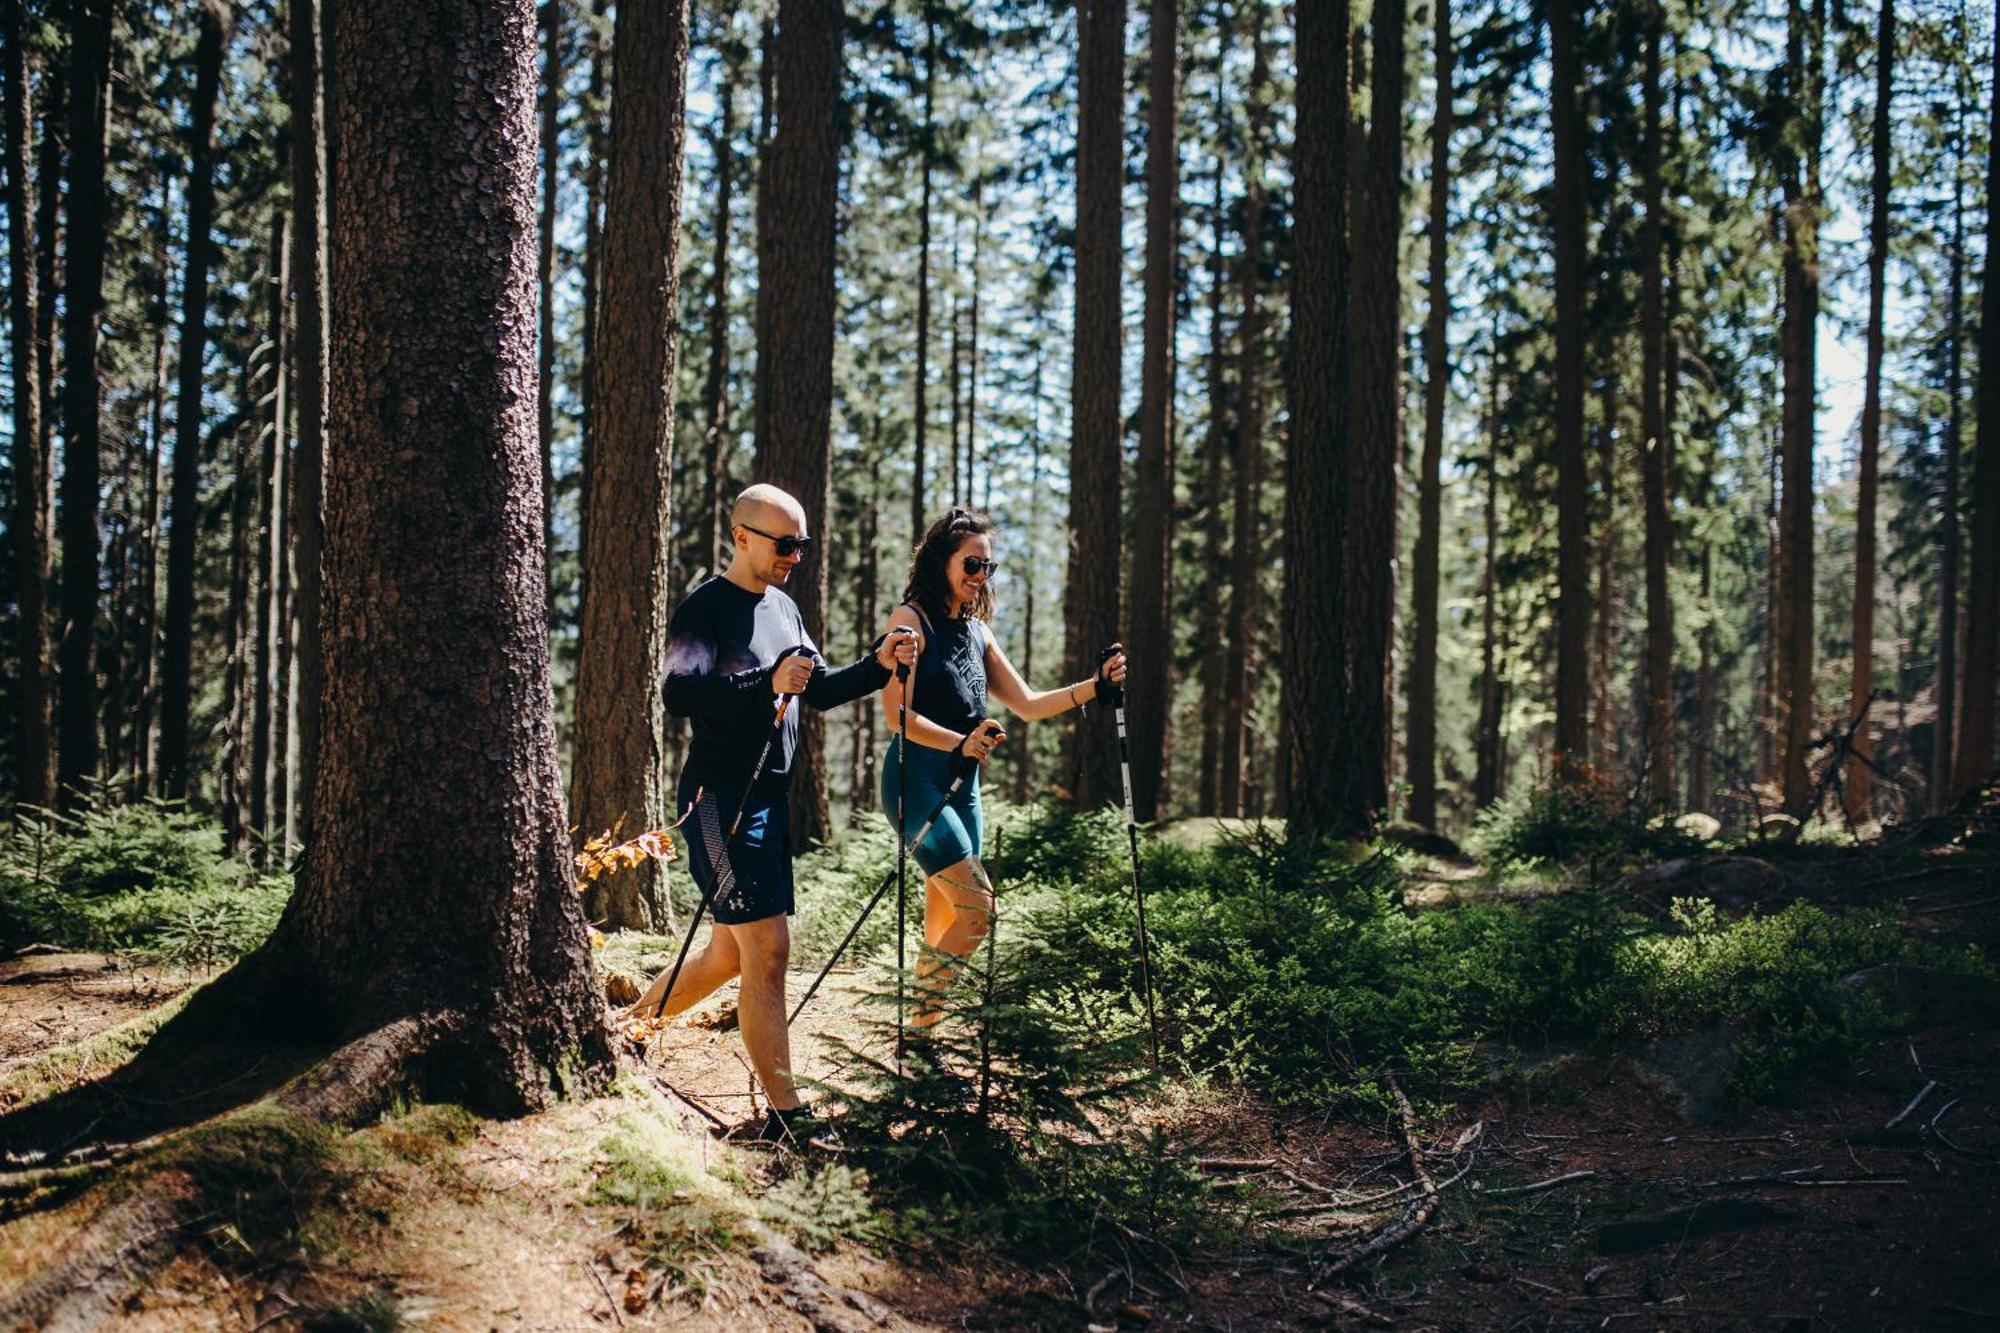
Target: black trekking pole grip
1109, 692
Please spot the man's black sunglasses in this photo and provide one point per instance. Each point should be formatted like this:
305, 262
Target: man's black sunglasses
973, 565
786, 545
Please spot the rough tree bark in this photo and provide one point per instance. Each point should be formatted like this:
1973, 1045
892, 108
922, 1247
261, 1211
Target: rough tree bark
1150, 689
1945, 733
1323, 798
620, 772
1090, 588
919, 520
1653, 440
1487, 739
34, 755
83, 304
601, 67
707, 535
1572, 731
184, 502
545, 273
1421, 757
1372, 497
436, 916
1248, 537
270, 536
795, 313
1855, 790
1799, 179
1215, 526
1974, 761
308, 139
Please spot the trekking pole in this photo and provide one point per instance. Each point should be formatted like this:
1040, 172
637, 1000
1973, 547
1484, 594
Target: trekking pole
1114, 694
902, 856
960, 772
756, 771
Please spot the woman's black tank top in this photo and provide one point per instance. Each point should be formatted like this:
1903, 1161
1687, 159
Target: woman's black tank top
949, 684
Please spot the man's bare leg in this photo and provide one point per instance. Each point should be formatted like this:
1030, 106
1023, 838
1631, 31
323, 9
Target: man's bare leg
765, 947
716, 963
958, 911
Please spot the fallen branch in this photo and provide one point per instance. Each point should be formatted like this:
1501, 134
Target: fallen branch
1915, 1101
1955, 907
1541, 1185
705, 1112
1419, 1212
1235, 1163
598, 1278
1745, 1182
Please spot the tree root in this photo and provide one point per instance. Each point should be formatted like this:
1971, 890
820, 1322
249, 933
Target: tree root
87, 1280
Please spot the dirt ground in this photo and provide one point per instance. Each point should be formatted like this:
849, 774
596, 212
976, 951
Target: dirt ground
1574, 1195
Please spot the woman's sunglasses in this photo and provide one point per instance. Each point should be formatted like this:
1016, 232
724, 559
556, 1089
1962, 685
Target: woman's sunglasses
786, 546
974, 566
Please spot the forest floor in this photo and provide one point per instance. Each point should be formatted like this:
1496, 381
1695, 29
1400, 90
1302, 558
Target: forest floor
1579, 1188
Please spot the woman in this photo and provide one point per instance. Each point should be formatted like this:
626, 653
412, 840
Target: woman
947, 602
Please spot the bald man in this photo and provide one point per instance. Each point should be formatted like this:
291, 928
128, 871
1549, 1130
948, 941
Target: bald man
734, 647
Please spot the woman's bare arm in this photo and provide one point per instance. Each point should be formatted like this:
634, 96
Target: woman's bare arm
1004, 683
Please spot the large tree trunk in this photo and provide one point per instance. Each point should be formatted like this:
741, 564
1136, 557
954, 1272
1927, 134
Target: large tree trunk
48, 283
1799, 176
1654, 443
146, 687
1572, 731
545, 376
235, 775
1373, 496
1090, 589
602, 54
1974, 761
270, 529
1150, 689
1023, 738
308, 142
1215, 527
34, 755
795, 309
1945, 690
972, 349
919, 519
83, 303
620, 770
1325, 796
1248, 537
1856, 787
176, 674
438, 887
707, 534
1421, 759
1487, 739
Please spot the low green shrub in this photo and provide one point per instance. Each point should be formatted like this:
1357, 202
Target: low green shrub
148, 877
1574, 824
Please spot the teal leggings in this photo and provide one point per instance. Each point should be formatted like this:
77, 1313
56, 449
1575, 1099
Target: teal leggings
959, 828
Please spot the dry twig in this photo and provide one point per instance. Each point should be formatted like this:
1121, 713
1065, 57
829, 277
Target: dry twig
1419, 1212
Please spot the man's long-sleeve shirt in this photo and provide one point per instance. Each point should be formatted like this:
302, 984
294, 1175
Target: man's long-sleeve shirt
722, 643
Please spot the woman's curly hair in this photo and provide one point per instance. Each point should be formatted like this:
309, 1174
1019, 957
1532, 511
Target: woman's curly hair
929, 585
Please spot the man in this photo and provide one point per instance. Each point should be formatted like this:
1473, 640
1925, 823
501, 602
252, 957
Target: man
736, 647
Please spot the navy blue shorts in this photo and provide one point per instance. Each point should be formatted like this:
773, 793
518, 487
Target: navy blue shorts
749, 877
